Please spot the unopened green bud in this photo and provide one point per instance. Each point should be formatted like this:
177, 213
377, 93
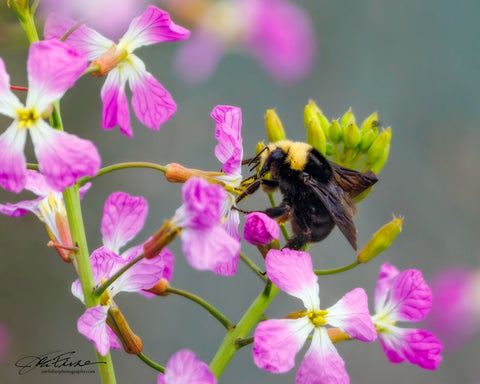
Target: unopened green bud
324, 123
351, 135
315, 135
335, 132
370, 122
348, 118
381, 240
367, 138
378, 147
378, 165
330, 150
260, 147
274, 126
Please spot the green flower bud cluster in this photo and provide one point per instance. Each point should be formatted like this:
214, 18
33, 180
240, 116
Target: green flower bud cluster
362, 148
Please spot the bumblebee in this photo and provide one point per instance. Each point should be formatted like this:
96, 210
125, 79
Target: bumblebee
317, 193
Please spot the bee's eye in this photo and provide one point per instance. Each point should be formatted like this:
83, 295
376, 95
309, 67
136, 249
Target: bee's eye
277, 155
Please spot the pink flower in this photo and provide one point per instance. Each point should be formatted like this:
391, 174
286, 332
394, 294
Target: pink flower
151, 102
123, 218
260, 229
62, 157
185, 367
277, 33
276, 342
404, 297
206, 245
458, 289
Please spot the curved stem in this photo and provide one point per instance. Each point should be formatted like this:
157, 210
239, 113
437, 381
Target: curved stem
210, 308
244, 342
249, 320
116, 167
151, 363
253, 266
337, 270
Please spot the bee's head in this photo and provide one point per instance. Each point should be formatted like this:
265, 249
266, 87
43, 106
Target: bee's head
275, 158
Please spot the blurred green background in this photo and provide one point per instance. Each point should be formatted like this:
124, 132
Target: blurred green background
415, 62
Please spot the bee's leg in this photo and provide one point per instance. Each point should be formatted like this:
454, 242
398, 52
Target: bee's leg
298, 242
252, 188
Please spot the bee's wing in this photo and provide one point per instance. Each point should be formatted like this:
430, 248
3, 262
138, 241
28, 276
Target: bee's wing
351, 181
339, 205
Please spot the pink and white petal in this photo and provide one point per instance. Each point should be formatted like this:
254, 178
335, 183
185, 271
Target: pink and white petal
13, 165
84, 40
62, 157
164, 260
210, 248
153, 26
277, 342
198, 57
416, 346
92, 324
152, 103
53, 67
21, 208
322, 364
351, 315
232, 221
36, 183
386, 276
77, 290
143, 275
115, 105
9, 103
292, 272
411, 297
184, 367
229, 150
123, 217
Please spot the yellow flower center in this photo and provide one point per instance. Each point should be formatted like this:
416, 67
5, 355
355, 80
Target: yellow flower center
26, 117
317, 318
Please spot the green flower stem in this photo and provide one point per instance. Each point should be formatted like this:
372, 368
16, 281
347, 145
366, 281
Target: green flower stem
244, 342
97, 292
82, 260
116, 167
151, 363
253, 266
249, 320
337, 270
28, 24
210, 308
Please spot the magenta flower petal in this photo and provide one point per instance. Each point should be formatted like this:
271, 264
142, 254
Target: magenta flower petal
84, 40
386, 276
153, 26
198, 57
292, 272
202, 204
351, 315
53, 67
277, 342
185, 367
260, 229
92, 324
115, 105
229, 150
63, 158
152, 103
322, 363
13, 165
282, 39
416, 346
210, 249
123, 217
21, 208
411, 296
